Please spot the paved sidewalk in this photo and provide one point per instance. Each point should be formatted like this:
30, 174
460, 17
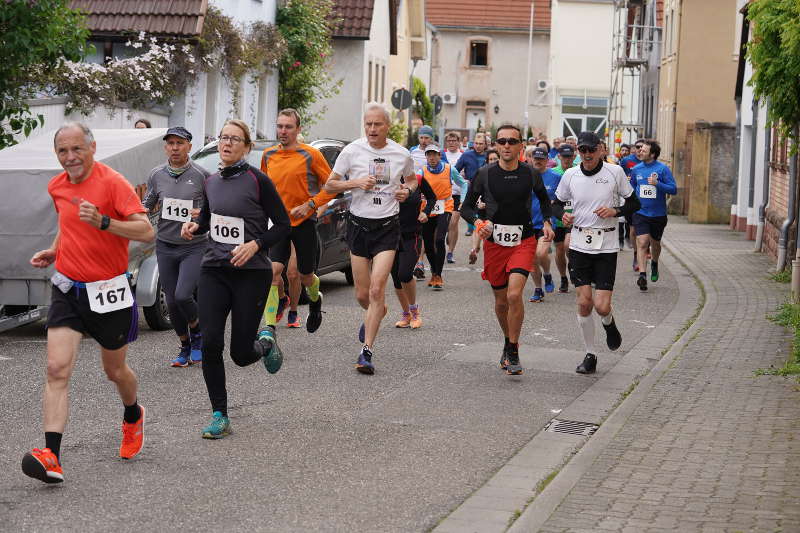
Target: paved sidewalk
710, 447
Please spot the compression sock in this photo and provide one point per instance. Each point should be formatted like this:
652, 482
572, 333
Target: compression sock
52, 440
132, 413
313, 289
587, 329
271, 309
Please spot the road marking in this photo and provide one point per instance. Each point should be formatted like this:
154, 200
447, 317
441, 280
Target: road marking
5, 358
643, 323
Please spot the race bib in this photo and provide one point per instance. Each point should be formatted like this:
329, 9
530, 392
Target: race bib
227, 230
592, 238
381, 171
438, 207
507, 235
648, 191
110, 295
176, 209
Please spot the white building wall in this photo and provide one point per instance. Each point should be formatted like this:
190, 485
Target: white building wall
742, 207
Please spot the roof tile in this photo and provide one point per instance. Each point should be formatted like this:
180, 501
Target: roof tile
160, 17
511, 14
354, 18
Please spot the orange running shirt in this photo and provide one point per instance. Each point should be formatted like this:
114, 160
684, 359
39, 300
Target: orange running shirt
84, 252
298, 175
440, 183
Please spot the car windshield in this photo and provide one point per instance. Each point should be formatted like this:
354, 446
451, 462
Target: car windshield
208, 156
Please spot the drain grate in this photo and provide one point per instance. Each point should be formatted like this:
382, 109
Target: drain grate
571, 427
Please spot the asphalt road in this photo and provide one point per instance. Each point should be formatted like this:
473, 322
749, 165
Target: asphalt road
318, 446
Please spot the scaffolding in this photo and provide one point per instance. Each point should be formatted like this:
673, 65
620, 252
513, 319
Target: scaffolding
635, 49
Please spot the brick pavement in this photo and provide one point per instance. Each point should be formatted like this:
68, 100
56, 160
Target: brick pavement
712, 447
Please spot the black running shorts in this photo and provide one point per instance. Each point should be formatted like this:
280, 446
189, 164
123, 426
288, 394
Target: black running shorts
306, 245
561, 234
600, 269
111, 330
369, 237
456, 202
653, 226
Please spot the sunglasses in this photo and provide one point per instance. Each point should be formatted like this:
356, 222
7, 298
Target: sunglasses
586, 149
511, 142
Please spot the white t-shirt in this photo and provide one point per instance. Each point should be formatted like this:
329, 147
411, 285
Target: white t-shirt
588, 193
418, 155
452, 158
393, 162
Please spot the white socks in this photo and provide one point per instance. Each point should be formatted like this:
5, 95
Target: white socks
606, 320
587, 329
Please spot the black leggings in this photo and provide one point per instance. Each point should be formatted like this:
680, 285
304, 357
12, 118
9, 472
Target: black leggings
179, 271
434, 233
241, 293
406, 259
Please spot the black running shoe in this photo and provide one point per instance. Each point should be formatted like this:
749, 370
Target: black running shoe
589, 364
642, 282
364, 364
613, 336
513, 367
564, 285
419, 273
314, 315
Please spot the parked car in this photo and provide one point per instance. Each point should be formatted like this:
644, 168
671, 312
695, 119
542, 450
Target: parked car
331, 226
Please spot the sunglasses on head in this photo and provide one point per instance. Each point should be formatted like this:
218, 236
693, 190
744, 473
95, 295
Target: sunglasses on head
585, 149
511, 141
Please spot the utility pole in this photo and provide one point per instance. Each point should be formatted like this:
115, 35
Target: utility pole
528, 81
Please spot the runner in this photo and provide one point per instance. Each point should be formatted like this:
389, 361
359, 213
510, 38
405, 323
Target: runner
174, 191
425, 137
566, 158
381, 175
453, 154
594, 189
627, 163
470, 162
562, 233
98, 213
510, 249
653, 181
492, 157
299, 172
236, 273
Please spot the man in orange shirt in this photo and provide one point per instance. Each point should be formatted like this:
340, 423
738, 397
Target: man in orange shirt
299, 172
98, 213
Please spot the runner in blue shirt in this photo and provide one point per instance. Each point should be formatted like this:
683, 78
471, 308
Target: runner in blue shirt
627, 163
652, 181
469, 163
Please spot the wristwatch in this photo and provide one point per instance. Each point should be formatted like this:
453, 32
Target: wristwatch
311, 204
105, 222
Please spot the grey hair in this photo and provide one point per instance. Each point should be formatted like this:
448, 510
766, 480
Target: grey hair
87, 133
375, 106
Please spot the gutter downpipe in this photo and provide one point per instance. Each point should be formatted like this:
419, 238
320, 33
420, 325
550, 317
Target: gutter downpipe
751, 193
791, 215
736, 159
796, 263
762, 209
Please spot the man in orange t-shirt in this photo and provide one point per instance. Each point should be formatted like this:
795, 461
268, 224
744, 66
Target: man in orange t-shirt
299, 172
98, 213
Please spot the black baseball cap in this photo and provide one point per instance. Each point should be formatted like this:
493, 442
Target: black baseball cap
588, 139
179, 131
539, 153
566, 150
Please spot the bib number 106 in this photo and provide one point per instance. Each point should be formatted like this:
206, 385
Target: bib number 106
226, 232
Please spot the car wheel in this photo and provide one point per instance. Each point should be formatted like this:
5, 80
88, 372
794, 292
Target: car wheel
348, 275
157, 315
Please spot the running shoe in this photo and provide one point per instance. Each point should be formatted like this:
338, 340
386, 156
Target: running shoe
564, 285
613, 336
437, 283
513, 368
538, 295
549, 286
450, 258
196, 342
42, 465
219, 427
653, 271
504, 358
473, 256
293, 320
132, 437
416, 318
182, 360
273, 357
314, 318
642, 282
419, 271
589, 364
361, 333
404, 322
468, 233
283, 303
364, 364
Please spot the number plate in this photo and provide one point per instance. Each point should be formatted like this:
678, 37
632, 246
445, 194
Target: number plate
110, 295
507, 235
438, 207
176, 209
592, 238
648, 191
227, 230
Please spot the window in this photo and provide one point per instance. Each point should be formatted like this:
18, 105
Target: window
582, 114
478, 54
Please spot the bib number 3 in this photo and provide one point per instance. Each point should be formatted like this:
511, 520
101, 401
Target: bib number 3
109, 295
438, 207
227, 230
592, 238
507, 235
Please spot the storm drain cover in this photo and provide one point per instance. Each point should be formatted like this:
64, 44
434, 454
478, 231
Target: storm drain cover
571, 427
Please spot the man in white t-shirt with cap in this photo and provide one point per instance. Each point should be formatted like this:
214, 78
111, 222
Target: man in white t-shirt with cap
594, 189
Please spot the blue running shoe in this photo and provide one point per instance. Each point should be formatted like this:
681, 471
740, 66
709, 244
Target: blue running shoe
364, 364
273, 357
538, 296
196, 342
183, 357
219, 427
361, 333
549, 286
449, 258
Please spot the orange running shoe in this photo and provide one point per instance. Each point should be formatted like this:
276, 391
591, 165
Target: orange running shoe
132, 437
404, 322
416, 319
42, 465
437, 283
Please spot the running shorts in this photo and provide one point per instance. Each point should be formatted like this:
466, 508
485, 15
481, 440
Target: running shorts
600, 269
653, 226
367, 237
561, 233
456, 202
500, 261
306, 245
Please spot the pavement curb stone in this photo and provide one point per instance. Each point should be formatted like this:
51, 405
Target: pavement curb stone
517, 482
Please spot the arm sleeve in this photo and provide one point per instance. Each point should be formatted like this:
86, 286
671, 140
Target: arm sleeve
460, 163
668, 185
631, 205
456, 177
320, 167
151, 198
430, 196
557, 208
273, 207
204, 218
470, 203
541, 194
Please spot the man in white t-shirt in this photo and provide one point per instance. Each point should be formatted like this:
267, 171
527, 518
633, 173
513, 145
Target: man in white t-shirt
452, 155
594, 189
381, 175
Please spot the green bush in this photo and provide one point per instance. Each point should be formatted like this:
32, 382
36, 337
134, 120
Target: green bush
788, 316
